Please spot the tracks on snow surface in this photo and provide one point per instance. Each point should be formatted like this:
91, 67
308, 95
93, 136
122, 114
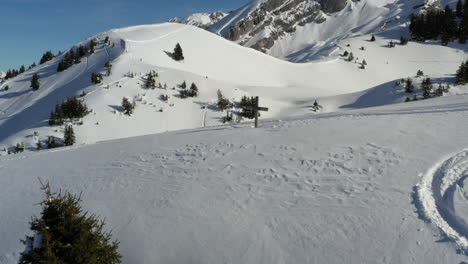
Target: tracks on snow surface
442, 201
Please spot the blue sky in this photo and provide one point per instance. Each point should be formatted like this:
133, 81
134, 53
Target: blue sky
31, 27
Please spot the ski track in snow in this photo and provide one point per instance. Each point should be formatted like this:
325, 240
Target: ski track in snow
436, 194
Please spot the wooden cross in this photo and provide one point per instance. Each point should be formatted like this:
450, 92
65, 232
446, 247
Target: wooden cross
256, 108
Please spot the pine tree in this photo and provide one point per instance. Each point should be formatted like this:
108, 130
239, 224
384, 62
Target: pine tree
409, 87
351, 57
403, 41
52, 143
127, 106
178, 53
39, 145
35, 84
193, 90
223, 103
440, 90
459, 9
69, 136
68, 234
92, 46
426, 86
46, 57
372, 38
150, 82
407, 99
462, 73
22, 69
420, 73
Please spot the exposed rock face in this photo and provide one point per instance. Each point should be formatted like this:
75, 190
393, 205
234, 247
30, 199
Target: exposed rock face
332, 6
274, 18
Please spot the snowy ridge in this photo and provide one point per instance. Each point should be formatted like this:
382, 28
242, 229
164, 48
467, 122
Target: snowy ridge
202, 20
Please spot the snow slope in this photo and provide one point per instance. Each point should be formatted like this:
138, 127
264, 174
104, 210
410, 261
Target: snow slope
327, 188
212, 63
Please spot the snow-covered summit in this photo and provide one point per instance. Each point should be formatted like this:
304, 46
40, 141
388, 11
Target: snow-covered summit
202, 20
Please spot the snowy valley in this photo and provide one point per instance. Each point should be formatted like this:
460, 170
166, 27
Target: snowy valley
375, 172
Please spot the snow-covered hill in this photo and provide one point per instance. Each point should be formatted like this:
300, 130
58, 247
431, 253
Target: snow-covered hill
211, 62
328, 188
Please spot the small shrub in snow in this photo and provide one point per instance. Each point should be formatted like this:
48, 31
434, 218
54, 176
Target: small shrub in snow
420, 73
96, 78
6, 88
316, 107
19, 147
372, 38
164, 97
108, 66
391, 44
351, 57
127, 106
52, 142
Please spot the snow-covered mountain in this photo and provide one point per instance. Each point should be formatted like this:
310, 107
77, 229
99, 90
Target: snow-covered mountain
304, 30
202, 20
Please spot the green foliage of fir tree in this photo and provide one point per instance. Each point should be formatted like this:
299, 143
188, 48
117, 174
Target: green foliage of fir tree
70, 108
69, 136
246, 104
178, 53
462, 73
426, 86
68, 234
127, 106
409, 87
223, 103
35, 84
96, 78
48, 56
193, 90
